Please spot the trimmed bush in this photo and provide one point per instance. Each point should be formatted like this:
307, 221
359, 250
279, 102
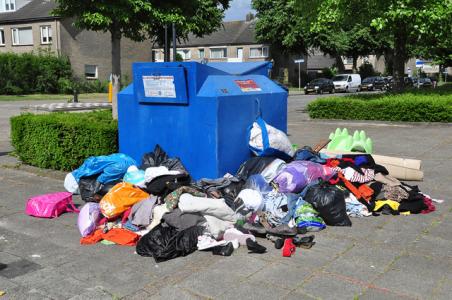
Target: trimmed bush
62, 141
424, 106
30, 73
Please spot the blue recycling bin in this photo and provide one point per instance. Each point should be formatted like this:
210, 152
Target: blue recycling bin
198, 112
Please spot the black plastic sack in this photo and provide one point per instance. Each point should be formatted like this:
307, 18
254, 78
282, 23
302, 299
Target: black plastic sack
165, 184
329, 201
92, 190
254, 165
160, 158
165, 242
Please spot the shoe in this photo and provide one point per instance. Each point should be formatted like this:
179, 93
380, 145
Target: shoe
234, 234
206, 242
223, 250
254, 247
255, 228
279, 242
304, 242
289, 248
282, 231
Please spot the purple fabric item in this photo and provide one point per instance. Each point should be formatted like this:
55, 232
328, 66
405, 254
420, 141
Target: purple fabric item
298, 174
88, 218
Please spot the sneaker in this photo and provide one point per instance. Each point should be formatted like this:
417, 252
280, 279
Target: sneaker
255, 228
282, 231
223, 250
206, 242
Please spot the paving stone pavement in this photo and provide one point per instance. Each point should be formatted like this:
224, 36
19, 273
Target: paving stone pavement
385, 257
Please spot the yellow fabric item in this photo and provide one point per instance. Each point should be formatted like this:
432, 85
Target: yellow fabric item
394, 205
120, 198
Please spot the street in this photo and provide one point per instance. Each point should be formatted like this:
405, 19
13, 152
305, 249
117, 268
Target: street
384, 257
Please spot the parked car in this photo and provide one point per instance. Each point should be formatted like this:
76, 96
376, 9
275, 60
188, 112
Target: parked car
423, 83
373, 83
347, 82
319, 86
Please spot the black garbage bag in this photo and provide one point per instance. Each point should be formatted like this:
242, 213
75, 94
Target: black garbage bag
227, 188
160, 158
329, 201
165, 184
92, 190
254, 165
165, 242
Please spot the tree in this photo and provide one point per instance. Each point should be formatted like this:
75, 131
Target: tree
421, 27
142, 19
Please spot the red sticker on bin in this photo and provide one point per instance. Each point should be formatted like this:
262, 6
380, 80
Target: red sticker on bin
248, 85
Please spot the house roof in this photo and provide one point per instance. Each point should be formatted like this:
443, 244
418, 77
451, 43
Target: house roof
231, 33
33, 11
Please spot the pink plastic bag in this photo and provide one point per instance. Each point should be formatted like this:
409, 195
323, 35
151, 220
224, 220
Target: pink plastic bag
50, 205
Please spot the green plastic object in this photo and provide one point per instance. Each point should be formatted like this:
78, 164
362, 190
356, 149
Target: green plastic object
341, 140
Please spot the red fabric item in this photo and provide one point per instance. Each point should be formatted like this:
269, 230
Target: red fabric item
430, 206
93, 238
332, 162
288, 248
121, 236
125, 215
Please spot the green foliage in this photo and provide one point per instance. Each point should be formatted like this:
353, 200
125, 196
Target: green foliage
366, 70
62, 141
29, 73
329, 72
179, 57
414, 106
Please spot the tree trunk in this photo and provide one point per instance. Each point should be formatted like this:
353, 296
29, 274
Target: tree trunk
339, 64
400, 54
355, 62
115, 67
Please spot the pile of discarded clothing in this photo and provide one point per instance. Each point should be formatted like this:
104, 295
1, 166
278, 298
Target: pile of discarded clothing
159, 209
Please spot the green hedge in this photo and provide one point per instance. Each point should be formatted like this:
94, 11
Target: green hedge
30, 73
423, 106
62, 141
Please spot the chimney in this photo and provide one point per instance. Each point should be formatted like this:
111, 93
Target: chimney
249, 16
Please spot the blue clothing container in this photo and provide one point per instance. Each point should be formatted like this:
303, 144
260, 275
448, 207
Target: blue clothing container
198, 112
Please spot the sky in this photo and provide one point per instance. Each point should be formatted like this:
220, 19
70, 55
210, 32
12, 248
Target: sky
238, 10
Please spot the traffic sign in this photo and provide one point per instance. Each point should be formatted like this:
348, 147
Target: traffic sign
299, 61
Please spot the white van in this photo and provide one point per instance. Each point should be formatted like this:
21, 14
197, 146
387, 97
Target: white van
347, 83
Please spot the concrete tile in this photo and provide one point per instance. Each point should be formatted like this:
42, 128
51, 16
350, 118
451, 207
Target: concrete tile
433, 246
281, 275
18, 268
211, 283
175, 293
20, 293
256, 291
365, 262
382, 294
326, 286
415, 275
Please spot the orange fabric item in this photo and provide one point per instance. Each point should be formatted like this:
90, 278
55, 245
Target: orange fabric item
120, 198
366, 192
349, 186
93, 238
121, 236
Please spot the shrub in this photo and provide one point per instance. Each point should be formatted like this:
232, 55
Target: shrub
411, 107
62, 141
29, 73
366, 70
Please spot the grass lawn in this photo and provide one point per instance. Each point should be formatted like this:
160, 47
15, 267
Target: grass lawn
93, 96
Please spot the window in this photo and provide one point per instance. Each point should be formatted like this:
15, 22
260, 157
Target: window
185, 53
218, 53
2, 37
46, 34
22, 36
259, 52
7, 5
90, 71
201, 53
157, 55
348, 60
